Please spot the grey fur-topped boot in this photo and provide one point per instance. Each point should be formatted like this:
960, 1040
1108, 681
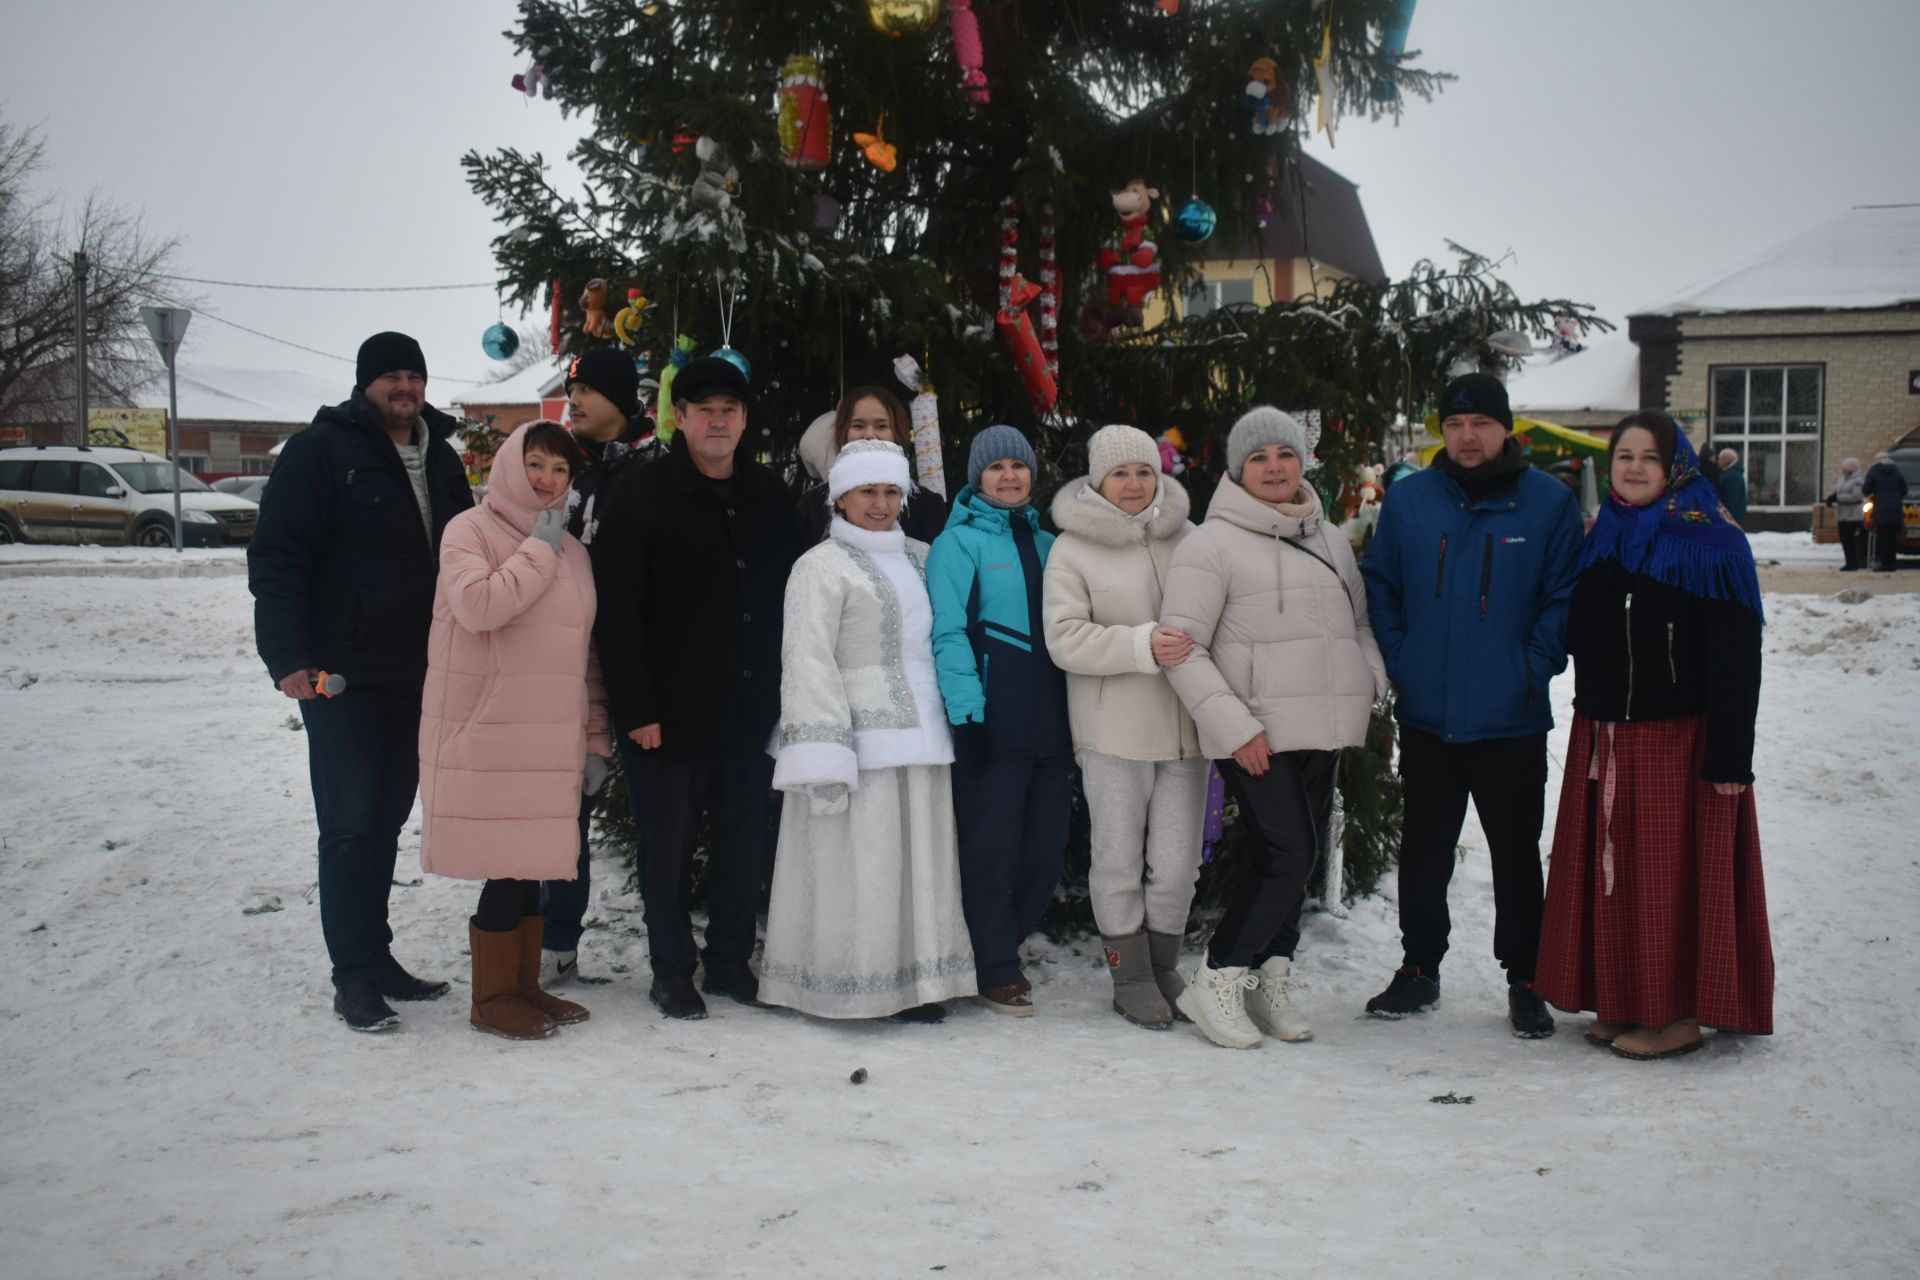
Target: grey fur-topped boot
1136, 997
1165, 950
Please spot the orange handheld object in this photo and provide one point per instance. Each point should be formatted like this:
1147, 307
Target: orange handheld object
330, 686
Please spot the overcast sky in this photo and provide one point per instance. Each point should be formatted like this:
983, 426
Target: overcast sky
1617, 149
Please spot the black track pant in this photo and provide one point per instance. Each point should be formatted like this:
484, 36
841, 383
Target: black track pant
1286, 811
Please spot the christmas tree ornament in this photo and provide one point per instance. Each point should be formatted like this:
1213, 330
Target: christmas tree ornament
1173, 449
1015, 326
1167, 8
1195, 221
553, 324
876, 147
1323, 79
968, 51
593, 307
718, 180
806, 127
499, 341
735, 358
534, 80
1393, 46
1049, 296
676, 360
898, 18
1129, 258
626, 325
1268, 96
929, 462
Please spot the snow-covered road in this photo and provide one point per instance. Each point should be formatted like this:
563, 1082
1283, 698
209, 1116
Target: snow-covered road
181, 1102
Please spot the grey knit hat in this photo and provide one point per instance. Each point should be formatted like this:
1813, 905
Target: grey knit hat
1259, 427
1118, 446
997, 442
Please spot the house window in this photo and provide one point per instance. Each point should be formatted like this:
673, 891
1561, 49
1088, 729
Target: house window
1211, 295
194, 463
1771, 415
254, 464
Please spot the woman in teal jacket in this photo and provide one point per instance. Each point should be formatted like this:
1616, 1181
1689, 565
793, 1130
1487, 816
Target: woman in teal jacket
1007, 704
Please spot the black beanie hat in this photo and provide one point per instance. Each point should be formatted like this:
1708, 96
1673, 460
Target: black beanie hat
610, 373
383, 353
1477, 393
708, 376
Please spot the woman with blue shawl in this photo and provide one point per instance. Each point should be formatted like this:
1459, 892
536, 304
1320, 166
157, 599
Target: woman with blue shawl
1656, 916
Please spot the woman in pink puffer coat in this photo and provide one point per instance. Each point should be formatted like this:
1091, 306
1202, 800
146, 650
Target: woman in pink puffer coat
513, 721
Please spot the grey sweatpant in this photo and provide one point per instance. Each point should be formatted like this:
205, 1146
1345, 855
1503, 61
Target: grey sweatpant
1147, 817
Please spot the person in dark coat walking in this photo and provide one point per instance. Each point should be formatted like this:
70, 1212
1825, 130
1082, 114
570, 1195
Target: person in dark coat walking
691, 562
1468, 577
1886, 489
1731, 484
342, 570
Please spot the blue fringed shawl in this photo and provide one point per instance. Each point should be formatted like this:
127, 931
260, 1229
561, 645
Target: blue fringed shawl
1685, 538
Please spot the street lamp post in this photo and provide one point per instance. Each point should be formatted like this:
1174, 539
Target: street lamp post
168, 325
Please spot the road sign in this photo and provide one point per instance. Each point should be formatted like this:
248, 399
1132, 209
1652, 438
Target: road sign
168, 325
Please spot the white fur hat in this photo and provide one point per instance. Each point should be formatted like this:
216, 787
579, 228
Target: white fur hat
864, 462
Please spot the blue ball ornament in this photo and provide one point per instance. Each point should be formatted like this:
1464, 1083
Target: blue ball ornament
737, 360
500, 342
1195, 221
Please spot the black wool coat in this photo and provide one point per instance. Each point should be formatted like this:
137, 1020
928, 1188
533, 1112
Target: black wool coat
1886, 489
1645, 651
341, 569
692, 580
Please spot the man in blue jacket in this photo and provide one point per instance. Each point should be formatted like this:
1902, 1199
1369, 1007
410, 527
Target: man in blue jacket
1468, 579
343, 569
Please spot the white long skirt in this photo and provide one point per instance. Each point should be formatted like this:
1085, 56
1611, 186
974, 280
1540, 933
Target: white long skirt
866, 917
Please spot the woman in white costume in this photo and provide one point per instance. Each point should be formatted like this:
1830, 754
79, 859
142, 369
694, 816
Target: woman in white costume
866, 919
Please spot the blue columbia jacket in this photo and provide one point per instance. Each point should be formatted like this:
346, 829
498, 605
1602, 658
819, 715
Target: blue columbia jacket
1469, 602
989, 646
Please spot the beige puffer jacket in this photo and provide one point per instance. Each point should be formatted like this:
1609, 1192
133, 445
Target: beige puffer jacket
1281, 641
1102, 601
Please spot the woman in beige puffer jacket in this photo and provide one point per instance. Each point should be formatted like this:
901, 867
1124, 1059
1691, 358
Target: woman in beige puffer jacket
1139, 754
1284, 673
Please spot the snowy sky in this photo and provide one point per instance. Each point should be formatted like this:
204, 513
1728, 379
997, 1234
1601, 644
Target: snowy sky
1616, 150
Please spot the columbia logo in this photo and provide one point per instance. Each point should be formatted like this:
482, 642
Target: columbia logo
1507, 542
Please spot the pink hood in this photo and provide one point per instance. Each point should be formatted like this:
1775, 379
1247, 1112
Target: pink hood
510, 494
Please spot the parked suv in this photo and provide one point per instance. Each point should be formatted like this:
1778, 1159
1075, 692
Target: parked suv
72, 494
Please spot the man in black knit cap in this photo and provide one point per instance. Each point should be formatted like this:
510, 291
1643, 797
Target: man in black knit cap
342, 570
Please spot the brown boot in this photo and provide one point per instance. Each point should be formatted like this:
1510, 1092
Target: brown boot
1165, 950
1605, 1033
497, 1006
1645, 1044
564, 1012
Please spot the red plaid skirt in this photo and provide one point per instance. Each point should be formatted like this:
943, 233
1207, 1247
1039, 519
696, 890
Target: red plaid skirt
1656, 908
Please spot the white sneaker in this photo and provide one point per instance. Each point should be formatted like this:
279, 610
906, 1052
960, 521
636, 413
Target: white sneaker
1269, 1007
1215, 1000
558, 967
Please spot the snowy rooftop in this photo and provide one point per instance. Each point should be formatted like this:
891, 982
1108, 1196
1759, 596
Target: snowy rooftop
529, 386
1606, 375
221, 393
1866, 257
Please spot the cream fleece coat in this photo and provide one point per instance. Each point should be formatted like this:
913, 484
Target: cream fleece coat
513, 703
1102, 600
1281, 639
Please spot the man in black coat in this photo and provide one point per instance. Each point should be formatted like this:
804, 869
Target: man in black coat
1886, 489
342, 570
691, 561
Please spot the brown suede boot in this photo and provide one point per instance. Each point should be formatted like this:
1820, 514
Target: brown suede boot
497, 1006
564, 1012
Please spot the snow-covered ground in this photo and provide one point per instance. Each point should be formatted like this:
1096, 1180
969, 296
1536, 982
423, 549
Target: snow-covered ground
181, 1102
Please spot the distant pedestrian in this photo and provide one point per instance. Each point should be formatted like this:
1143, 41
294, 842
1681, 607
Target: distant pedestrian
1732, 486
1849, 500
1886, 489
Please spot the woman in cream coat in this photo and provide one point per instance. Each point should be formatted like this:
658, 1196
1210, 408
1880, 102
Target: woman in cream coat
1284, 672
866, 916
1139, 755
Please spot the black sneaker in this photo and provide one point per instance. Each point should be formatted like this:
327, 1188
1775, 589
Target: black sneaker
924, 1013
738, 983
1528, 1013
357, 1003
1411, 991
396, 983
676, 998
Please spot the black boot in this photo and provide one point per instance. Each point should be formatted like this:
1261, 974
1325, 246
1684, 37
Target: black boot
1528, 1013
676, 998
923, 1013
1411, 991
396, 983
738, 983
357, 1003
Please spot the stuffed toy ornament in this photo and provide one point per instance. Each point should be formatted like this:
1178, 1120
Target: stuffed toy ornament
534, 80
718, 179
1268, 96
1130, 259
593, 304
1173, 448
626, 325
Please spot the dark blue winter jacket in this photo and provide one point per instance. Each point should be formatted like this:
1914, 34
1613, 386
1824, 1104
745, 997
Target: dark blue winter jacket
989, 645
1469, 601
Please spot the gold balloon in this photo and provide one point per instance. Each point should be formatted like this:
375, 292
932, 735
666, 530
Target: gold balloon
903, 17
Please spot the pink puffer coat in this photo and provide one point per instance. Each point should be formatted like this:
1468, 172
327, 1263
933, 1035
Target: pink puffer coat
513, 702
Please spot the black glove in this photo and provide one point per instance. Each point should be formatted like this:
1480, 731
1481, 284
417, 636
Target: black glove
970, 747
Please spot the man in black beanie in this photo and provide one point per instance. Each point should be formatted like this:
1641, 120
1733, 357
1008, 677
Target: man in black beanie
1468, 578
342, 570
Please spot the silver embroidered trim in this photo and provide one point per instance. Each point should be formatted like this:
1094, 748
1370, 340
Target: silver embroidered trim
818, 731
901, 712
864, 984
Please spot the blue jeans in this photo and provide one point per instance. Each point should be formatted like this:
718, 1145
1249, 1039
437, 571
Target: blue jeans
363, 756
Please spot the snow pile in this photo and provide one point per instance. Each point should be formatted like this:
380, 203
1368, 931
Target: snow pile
182, 1101
225, 393
1603, 376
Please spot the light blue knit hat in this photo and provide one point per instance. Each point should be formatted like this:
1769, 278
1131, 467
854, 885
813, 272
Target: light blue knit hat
994, 443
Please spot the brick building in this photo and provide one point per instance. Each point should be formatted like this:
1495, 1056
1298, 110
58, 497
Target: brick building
531, 394
1804, 355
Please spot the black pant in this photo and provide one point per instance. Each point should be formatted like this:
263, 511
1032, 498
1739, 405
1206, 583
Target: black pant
505, 903
1507, 781
363, 755
1853, 539
1286, 811
563, 903
1886, 544
1012, 818
670, 793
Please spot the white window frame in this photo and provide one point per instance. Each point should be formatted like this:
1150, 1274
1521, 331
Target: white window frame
1742, 433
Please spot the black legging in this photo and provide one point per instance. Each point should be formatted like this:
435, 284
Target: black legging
1886, 544
504, 903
